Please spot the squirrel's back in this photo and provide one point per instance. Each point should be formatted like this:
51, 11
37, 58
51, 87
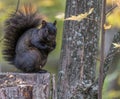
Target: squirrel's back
15, 26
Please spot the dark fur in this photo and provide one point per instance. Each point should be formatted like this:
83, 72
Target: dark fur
27, 46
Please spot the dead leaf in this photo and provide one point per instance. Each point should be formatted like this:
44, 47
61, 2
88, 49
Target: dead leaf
117, 2
60, 16
107, 26
11, 76
80, 16
116, 45
91, 10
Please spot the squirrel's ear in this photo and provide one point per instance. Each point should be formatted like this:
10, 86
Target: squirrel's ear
43, 23
55, 22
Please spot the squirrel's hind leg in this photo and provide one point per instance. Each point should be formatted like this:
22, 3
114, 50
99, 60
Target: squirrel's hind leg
26, 64
28, 61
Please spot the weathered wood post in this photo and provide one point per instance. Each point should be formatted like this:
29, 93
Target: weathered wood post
24, 86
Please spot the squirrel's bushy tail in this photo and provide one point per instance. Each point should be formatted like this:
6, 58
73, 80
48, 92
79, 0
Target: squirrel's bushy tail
15, 26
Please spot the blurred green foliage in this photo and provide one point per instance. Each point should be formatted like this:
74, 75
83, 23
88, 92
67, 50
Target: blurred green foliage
114, 17
111, 89
49, 9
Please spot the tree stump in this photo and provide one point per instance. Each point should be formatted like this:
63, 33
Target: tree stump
24, 85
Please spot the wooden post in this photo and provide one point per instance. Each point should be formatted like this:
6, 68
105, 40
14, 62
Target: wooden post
24, 85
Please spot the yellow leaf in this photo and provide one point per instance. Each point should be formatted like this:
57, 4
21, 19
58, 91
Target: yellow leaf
60, 16
116, 45
106, 27
117, 2
72, 18
91, 10
80, 16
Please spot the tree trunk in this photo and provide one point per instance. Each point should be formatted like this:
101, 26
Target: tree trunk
77, 73
24, 86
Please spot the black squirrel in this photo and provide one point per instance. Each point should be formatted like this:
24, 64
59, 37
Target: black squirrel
27, 45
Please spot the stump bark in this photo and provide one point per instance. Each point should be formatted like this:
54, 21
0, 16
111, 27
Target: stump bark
24, 86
